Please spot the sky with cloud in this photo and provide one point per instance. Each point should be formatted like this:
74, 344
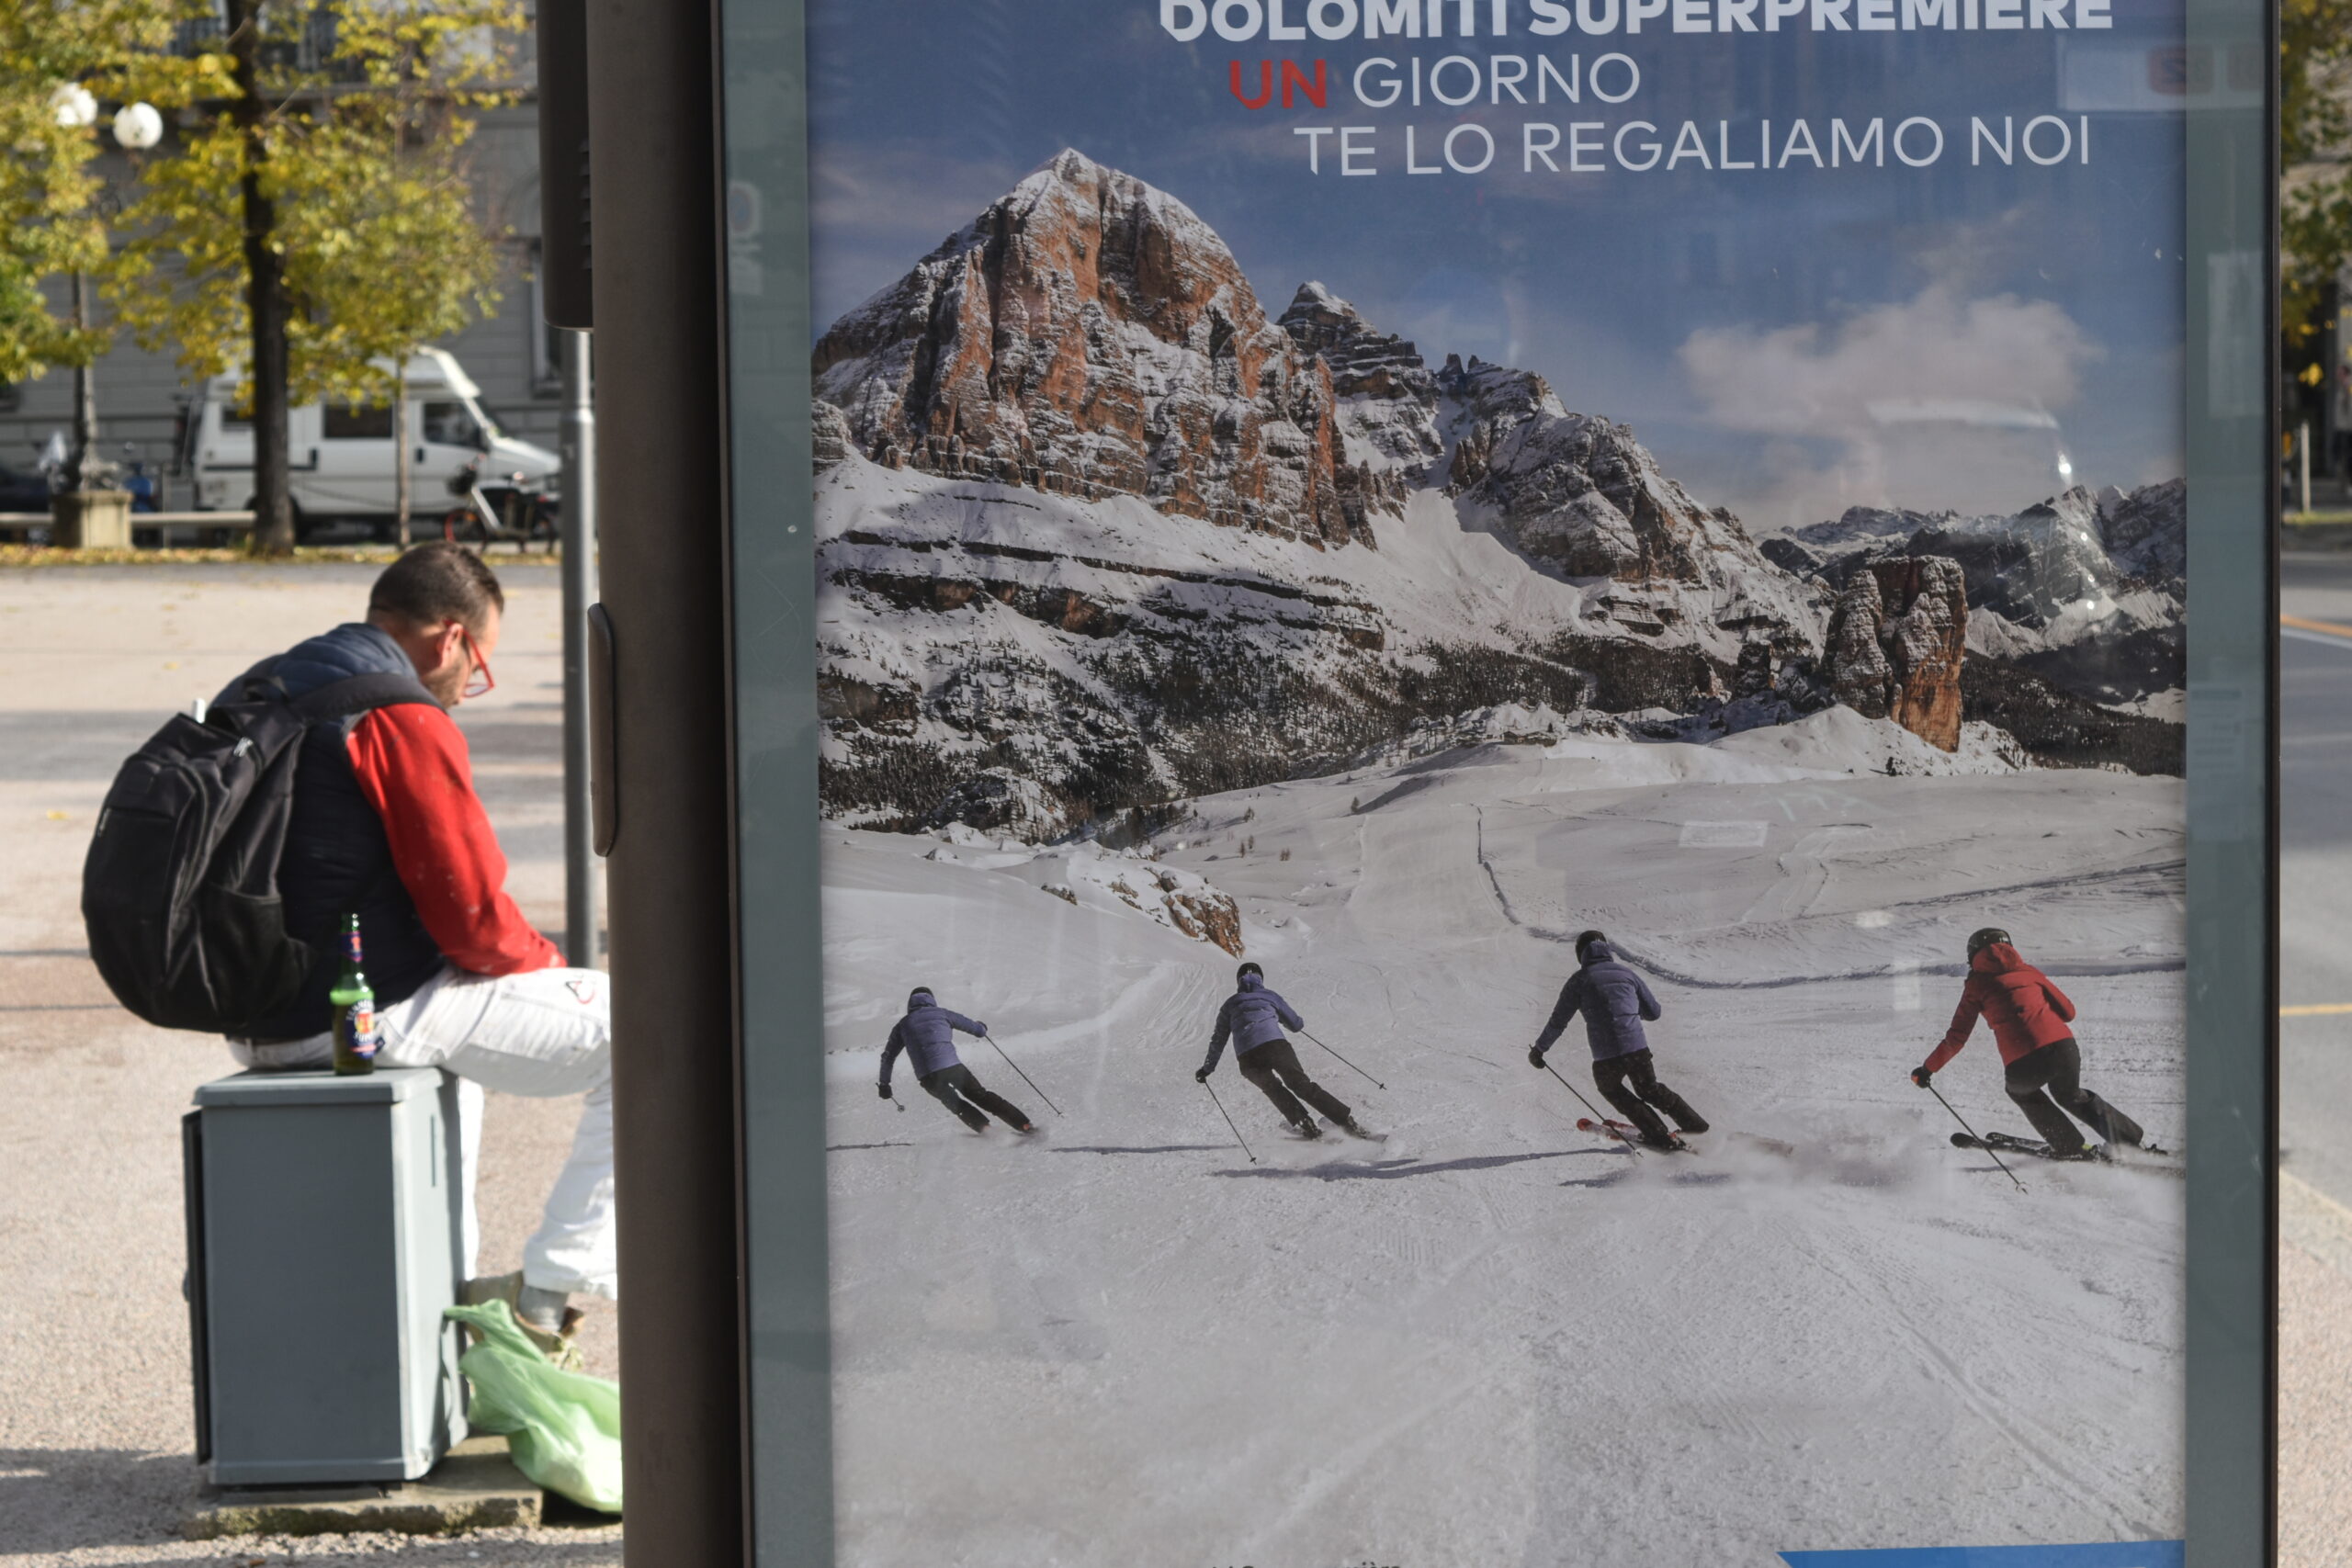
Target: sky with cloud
1789, 340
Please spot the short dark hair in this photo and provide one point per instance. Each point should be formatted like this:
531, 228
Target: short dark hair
436, 582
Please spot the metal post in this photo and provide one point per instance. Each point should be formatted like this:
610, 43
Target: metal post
677, 1116
577, 440
84, 466
2303, 467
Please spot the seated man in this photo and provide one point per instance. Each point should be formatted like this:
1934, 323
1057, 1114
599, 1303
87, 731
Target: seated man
386, 823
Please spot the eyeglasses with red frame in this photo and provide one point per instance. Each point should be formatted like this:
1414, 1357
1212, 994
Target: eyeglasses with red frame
480, 682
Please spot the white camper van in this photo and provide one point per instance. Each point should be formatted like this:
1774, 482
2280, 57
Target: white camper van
343, 457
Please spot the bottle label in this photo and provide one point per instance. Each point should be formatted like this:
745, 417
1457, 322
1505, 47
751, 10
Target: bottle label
365, 1039
351, 947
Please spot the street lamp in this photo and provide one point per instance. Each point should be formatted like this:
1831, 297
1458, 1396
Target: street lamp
138, 127
74, 106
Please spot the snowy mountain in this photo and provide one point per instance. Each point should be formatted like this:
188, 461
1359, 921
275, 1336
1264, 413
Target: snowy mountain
1090, 336
1095, 534
2088, 589
1388, 395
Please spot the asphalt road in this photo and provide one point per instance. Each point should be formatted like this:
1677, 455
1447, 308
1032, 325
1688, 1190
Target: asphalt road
2315, 873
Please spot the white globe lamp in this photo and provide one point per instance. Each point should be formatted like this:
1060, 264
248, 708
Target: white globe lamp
138, 127
74, 106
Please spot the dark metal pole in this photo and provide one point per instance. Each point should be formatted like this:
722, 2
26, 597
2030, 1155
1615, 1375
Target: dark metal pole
660, 515
582, 944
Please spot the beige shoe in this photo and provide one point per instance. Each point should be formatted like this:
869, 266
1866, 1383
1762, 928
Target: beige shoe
560, 1347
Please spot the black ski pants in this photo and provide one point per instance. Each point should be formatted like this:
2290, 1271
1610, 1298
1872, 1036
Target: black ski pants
958, 1089
1274, 1069
1630, 1083
2054, 1072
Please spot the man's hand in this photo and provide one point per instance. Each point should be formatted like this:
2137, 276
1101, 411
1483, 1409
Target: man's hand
883, 1090
1535, 1057
1920, 1076
1200, 1076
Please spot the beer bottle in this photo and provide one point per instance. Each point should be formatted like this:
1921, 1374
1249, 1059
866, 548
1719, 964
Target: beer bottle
355, 1038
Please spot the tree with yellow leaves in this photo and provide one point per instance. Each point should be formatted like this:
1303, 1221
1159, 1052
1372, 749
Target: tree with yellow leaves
314, 219
2316, 205
56, 58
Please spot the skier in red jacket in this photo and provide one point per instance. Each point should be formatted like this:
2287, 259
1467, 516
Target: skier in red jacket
2041, 1061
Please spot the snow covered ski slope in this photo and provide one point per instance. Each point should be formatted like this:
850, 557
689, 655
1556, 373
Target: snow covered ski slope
1495, 1339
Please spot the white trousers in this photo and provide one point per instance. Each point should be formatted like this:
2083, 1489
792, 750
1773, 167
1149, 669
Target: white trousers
544, 1034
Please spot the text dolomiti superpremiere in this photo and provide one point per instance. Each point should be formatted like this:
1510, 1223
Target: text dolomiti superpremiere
1289, 21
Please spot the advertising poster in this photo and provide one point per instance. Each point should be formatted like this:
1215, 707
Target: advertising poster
1498, 678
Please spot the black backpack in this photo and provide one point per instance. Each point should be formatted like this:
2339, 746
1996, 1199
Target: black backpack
179, 892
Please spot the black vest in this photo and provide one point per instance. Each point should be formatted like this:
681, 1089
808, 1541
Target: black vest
337, 859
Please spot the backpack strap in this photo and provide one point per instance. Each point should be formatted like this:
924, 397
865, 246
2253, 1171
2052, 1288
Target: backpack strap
358, 694
261, 683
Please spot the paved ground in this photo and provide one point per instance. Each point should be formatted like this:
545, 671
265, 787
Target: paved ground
95, 1453
2315, 1069
2315, 868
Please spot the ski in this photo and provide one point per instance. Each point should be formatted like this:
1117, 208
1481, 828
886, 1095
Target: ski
2005, 1143
1626, 1134
1354, 1131
1769, 1145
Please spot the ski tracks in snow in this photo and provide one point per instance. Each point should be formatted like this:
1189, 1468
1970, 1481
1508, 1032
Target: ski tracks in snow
1886, 1291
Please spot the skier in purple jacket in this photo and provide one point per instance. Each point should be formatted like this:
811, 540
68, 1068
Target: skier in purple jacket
1253, 1018
1615, 1002
927, 1035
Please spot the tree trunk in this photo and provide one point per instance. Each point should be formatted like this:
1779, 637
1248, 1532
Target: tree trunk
399, 454
266, 296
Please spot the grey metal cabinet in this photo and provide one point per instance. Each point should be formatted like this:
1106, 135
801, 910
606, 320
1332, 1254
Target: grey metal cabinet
323, 1242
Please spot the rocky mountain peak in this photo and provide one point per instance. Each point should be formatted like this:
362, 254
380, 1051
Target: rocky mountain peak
1089, 335
1387, 394
1576, 492
1897, 641
2146, 532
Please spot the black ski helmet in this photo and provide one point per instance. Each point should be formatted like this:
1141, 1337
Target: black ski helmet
1585, 940
1246, 970
1985, 938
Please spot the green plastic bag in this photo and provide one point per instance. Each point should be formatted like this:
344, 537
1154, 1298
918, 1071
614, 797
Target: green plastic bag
563, 1429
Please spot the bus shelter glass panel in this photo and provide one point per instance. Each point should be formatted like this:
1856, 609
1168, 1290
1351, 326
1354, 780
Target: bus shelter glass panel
1493, 703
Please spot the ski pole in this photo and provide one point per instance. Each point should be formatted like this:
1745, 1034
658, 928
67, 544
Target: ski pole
1025, 1077
1221, 1111
1349, 1065
1595, 1110
1971, 1133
